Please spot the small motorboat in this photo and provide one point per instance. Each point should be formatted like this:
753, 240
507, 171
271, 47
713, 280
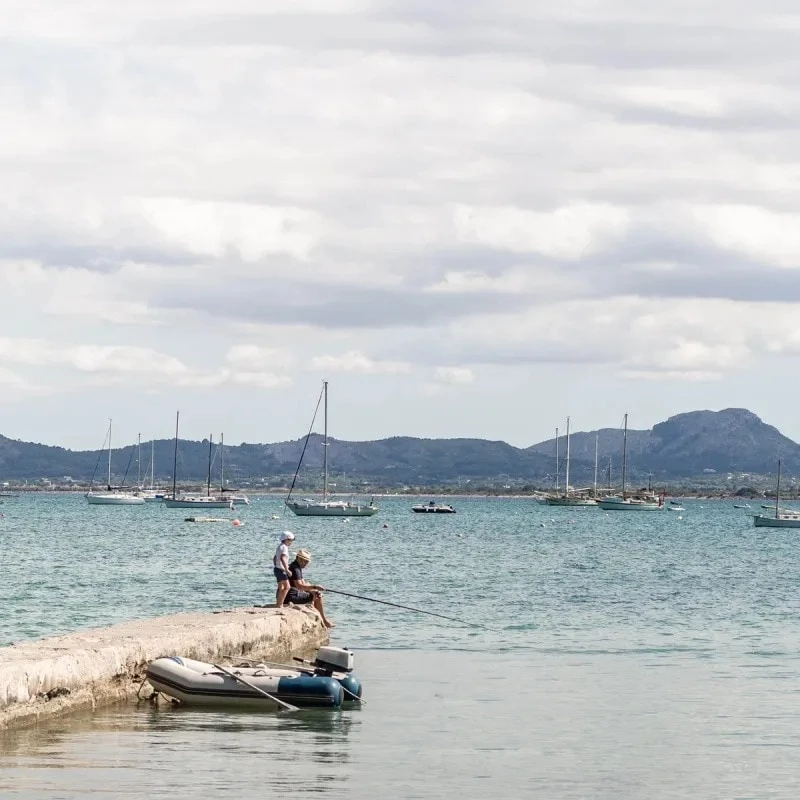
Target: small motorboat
327, 682
676, 508
741, 505
433, 508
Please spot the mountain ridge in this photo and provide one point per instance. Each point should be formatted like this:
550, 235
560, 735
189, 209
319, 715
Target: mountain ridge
732, 440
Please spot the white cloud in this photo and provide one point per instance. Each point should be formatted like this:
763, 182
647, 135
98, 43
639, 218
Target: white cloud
363, 186
455, 376
568, 232
244, 356
356, 361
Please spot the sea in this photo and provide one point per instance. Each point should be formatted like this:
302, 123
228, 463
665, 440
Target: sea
607, 655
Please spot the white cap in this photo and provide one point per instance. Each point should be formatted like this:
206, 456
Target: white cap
287, 536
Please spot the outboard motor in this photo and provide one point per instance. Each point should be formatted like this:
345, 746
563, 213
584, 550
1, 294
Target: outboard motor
333, 659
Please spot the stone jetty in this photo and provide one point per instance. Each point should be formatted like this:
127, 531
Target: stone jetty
97, 666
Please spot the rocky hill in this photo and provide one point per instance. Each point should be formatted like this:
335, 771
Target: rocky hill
694, 443
691, 444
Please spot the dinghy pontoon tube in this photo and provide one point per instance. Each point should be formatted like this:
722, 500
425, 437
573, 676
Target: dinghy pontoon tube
198, 683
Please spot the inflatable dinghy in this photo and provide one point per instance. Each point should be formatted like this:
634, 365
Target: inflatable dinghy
326, 683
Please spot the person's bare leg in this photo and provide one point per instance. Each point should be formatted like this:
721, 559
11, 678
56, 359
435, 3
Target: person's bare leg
281, 592
318, 605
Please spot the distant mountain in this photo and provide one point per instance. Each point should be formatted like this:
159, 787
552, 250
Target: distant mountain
732, 440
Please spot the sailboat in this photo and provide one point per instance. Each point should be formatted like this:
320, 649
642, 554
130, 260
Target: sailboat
112, 497
327, 507
236, 499
568, 499
193, 501
151, 495
782, 518
639, 502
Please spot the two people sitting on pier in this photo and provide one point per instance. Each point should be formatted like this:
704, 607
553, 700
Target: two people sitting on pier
292, 586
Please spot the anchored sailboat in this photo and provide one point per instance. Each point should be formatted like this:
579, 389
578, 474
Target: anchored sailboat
638, 502
193, 501
782, 518
326, 507
568, 499
112, 496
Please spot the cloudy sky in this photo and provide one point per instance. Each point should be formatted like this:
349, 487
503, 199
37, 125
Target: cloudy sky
473, 217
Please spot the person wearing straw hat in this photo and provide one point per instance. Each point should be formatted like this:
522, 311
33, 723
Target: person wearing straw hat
280, 568
302, 592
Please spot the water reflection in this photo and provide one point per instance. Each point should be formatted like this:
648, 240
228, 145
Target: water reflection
157, 748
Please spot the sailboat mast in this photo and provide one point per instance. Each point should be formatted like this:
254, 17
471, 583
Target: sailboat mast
566, 477
108, 483
222, 462
778, 491
175, 458
596, 441
139, 464
208, 480
325, 446
556, 460
152, 461
624, 453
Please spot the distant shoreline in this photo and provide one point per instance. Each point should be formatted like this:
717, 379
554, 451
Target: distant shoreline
538, 495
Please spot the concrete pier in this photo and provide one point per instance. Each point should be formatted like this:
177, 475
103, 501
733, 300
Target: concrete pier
52, 676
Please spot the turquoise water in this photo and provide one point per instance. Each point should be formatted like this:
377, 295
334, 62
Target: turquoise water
632, 655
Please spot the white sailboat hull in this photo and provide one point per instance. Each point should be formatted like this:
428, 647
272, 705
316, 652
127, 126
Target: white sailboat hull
792, 521
332, 508
572, 502
113, 499
196, 502
628, 505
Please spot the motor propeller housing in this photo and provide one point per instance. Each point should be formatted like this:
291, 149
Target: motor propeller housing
334, 659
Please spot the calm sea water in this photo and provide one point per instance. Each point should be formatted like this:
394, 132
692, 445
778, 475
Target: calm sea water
631, 655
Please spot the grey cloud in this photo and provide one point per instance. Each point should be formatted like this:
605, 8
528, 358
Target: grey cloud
332, 306
614, 43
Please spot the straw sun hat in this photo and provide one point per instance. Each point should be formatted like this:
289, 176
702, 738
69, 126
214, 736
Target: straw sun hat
304, 555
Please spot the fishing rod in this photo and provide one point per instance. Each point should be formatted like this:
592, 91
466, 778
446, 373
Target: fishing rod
410, 608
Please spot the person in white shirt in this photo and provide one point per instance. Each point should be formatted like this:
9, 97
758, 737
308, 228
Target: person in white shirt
280, 567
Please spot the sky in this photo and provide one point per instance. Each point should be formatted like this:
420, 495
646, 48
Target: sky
472, 217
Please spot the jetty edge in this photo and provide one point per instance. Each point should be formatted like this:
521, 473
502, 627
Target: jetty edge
99, 666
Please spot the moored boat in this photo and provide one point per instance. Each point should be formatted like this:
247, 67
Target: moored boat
326, 684
331, 508
782, 518
571, 499
191, 500
630, 504
326, 507
640, 501
433, 508
112, 496
195, 501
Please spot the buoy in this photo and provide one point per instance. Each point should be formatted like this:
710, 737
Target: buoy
236, 523
385, 525
275, 516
